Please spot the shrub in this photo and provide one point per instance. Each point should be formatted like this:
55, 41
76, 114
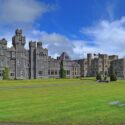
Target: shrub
105, 76
62, 72
112, 74
98, 76
6, 73
113, 77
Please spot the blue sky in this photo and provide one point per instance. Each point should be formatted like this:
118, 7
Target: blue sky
75, 26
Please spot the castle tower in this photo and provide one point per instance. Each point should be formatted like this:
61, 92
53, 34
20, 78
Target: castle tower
41, 61
89, 61
103, 63
3, 56
18, 42
32, 59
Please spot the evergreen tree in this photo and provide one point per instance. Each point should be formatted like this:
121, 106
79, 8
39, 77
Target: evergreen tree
6, 73
105, 77
112, 74
98, 76
62, 71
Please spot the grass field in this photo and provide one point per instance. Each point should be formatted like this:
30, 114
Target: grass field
69, 101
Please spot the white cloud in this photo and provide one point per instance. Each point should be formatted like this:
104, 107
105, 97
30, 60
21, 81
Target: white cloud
21, 11
58, 43
109, 36
27, 11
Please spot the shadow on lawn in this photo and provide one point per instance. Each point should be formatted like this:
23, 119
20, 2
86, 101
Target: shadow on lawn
88, 79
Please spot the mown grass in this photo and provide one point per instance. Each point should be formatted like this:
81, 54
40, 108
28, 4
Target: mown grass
67, 101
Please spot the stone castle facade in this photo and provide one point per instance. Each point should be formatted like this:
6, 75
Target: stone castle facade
34, 63
96, 63
101, 63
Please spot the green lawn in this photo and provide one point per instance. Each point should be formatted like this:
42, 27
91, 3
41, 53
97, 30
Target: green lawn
69, 101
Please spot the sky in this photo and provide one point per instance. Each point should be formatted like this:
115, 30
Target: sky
77, 27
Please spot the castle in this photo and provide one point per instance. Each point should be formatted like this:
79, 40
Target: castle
34, 63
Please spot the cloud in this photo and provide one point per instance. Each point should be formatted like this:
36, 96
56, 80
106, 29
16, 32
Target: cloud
106, 37
55, 43
58, 43
22, 14
109, 36
22, 11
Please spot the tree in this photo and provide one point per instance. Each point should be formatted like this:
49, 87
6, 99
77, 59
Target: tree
6, 73
112, 74
62, 71
105, 76
98, 76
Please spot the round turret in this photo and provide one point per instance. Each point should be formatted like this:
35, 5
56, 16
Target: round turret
4, 41
18, 39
